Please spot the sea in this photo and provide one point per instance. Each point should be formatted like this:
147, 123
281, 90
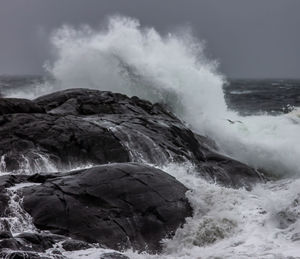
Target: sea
256, 121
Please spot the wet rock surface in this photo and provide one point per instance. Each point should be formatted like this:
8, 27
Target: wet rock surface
73, 245
64, 139
27, 245
229, 172
118, 205
89, 126
113, 256
15, 105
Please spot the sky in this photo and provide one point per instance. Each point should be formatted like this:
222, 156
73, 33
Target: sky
249, 38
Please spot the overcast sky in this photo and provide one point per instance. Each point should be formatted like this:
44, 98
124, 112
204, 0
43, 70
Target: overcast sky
250, 38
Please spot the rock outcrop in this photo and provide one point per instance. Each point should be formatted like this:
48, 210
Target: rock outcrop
119, 202
118, 205
77, 126
16, 105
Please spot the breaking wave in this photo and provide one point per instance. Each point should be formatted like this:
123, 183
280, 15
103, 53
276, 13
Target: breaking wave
172, 69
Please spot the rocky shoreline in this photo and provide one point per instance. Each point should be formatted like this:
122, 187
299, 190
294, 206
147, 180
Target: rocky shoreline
121, 201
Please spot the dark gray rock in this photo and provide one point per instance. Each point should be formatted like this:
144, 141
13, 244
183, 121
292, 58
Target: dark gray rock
5, 234
118, 205
4, 199
148, 131
72, 245
66, 139
10, 243
9, 180
90, 126
228, 172
113, 256
29, 242
37, 242
82, 101
15, 105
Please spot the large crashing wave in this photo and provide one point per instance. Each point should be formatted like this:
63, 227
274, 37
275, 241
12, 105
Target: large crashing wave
172, 69
138, 61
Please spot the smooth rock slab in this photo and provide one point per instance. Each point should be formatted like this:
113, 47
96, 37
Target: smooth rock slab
116, 205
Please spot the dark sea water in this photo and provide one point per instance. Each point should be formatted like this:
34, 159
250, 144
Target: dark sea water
246, 96
254, 96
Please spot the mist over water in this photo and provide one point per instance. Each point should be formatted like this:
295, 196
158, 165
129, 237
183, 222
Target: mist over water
172, 69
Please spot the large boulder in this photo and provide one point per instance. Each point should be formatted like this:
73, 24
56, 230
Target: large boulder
149, 131
91, 126
64, 139
117, 205
76, 126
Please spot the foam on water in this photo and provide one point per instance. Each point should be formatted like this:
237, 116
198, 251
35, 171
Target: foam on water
232, 223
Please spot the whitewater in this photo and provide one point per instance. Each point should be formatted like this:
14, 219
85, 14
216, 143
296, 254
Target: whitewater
172, 69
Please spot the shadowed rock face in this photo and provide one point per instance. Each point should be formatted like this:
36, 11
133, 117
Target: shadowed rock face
229, 172
118, 205
149, 132
64, 138
94, 127
89, 126
15, 105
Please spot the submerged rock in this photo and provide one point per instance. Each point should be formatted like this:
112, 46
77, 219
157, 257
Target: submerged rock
30, 242
113, 256
117, 205
73, 245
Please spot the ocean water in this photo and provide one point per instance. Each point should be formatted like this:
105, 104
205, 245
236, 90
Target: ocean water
254, 121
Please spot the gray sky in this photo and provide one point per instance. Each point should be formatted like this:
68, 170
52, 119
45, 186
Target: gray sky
250, 38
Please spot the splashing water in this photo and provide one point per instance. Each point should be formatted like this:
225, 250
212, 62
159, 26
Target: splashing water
17, 220
173, 70
38, 162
